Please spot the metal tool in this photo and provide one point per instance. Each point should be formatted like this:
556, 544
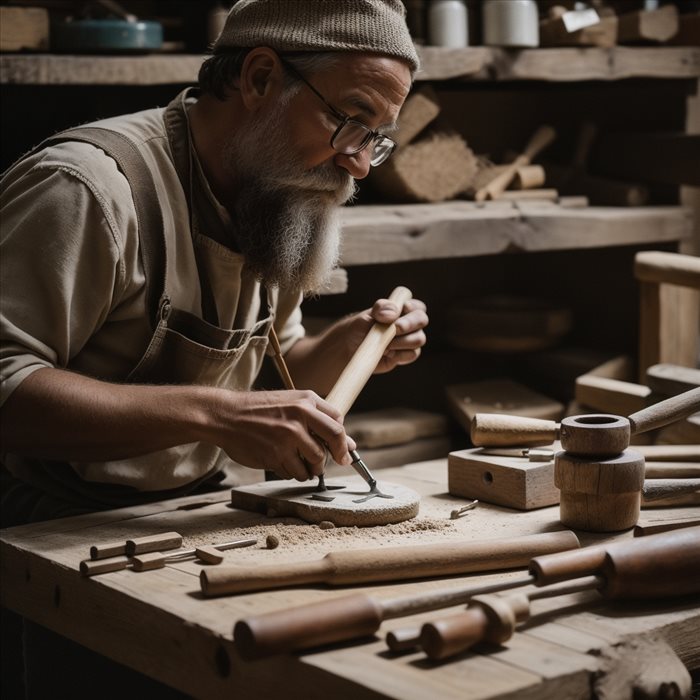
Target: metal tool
460, 511
156, 560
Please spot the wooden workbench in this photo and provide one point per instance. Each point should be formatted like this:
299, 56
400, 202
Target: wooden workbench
158, 623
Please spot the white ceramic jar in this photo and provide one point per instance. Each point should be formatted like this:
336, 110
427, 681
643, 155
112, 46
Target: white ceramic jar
513, 23
448, 24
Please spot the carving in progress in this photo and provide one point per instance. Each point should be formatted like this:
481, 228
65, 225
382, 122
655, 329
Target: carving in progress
339, 504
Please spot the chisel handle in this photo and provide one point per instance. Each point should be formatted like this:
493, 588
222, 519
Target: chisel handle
307, 626
502, 430
363, 363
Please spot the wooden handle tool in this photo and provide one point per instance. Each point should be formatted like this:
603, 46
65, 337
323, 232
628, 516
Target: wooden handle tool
538, 142
500, 430
361, 615
363, 363
387, 564
658, 566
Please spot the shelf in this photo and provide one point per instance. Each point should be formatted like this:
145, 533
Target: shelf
375, 234
474, 63
560, 64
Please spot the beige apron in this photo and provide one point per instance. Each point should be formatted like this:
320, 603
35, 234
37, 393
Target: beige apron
184, 348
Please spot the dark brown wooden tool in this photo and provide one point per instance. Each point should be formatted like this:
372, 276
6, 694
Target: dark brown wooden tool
360, 615
658, 566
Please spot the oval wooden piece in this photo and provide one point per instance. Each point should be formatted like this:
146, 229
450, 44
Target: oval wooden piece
209, 554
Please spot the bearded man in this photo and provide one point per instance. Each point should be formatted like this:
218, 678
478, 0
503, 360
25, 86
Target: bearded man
145, 259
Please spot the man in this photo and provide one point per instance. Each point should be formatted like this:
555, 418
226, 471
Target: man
139, 290
127, 365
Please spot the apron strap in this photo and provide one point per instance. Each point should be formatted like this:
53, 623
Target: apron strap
146, 203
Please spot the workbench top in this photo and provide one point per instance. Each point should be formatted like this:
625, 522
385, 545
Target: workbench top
158, 622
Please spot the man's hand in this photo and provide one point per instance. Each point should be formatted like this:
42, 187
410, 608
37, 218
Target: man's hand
410, 336
282, 431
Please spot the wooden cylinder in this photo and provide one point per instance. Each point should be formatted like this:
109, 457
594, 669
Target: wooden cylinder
389, 563
656, 566
307, 626
500, 430
599, 495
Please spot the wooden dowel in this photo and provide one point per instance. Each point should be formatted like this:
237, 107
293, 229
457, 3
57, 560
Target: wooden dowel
389, 564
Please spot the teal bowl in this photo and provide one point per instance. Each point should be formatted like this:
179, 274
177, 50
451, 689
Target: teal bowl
106, 36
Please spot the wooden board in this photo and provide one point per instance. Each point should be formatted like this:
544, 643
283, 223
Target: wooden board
514, 482
393, 426
282, 498
499, 396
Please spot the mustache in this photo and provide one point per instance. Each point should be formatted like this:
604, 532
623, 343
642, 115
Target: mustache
325, 177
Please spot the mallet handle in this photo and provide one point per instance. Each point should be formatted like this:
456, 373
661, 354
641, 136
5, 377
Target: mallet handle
665, 412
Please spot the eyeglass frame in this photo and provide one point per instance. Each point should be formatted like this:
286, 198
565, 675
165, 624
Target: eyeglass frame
344, 119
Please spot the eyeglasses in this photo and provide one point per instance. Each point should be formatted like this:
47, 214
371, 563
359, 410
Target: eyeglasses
351, 136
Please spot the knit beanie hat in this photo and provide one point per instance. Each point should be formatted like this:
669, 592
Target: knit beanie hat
372, 26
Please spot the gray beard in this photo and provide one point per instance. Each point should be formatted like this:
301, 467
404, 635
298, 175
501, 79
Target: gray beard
287, 218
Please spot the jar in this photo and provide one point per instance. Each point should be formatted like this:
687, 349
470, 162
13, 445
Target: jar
513, 23
447, 23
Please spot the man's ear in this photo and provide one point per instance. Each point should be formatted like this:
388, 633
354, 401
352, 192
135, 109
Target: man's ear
261, 77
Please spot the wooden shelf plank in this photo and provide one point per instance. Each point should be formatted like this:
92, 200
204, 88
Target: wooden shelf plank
595, 63
56, 69
375, 234
476, 63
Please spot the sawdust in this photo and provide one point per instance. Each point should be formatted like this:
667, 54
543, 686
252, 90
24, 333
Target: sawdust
316, 541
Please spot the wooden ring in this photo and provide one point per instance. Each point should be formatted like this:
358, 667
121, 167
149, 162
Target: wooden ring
597, 434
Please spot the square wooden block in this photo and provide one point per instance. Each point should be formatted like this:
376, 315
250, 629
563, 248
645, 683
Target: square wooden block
515, 482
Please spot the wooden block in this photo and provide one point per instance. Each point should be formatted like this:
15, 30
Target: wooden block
24, 28
502, 323
683, 432
499, 396
112, 549
282, 499
670, 380
658, 25
153, 543
514, 482
89, 567
604, 389
433, 169
553, 32
148, 561
393, 426
419, 110
573, 202
397, 455
688, 30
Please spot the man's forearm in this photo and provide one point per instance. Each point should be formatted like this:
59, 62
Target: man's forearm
57, 414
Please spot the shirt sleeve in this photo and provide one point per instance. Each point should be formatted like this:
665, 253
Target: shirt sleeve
60, 265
